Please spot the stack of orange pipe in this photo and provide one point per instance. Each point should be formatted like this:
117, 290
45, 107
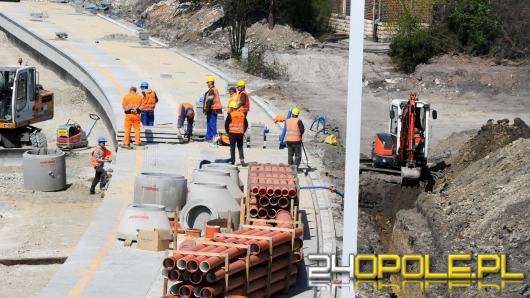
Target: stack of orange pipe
204, 276
272, 188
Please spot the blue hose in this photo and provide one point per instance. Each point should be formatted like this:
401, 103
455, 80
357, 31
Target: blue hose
339, 192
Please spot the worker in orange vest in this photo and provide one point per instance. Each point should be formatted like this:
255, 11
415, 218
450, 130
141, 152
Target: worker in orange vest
186, 112
100, 156
233, 96
243, 99
236, 125
212, 107
149, 103
132, 107
293, 138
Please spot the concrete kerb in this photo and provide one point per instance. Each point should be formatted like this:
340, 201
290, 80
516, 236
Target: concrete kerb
62, 60
321, 202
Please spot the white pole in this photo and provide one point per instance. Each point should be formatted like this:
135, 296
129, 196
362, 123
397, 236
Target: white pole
353, 135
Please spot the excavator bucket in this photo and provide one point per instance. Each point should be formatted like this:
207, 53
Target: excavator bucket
410, 174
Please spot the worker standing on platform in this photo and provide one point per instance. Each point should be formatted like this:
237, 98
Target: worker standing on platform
236, 125
243, 99
186, 112
293, 138
148, 105
212, 107
100, 156
132, 107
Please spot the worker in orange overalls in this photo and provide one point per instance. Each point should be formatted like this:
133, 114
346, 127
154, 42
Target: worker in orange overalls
100, 156
212, 107
243, 99
186, 112
236, 125
148, 105
132, 106
293, 138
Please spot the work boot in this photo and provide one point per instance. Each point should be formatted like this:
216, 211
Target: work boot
243, 163
126, 146
103, 192
92, 192
139, 145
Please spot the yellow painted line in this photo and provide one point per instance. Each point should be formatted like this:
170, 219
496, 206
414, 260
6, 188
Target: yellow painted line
68, 44
89, 272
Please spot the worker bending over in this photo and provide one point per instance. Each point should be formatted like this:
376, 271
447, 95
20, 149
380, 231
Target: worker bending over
236, 125
243, 99
212, 106
100, 156
293, 138
186, 112
148, 105
132, 107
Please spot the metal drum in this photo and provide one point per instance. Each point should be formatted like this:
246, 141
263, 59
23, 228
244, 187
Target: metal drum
44, 169
165, 189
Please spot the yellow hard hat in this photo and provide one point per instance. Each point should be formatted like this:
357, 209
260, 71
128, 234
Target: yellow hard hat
210, 79
295, 111
233, 105
240, 83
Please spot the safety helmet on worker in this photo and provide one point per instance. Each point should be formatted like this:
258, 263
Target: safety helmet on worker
210, 79
240, 83
295, 112
144, 85
233, 105
102, 140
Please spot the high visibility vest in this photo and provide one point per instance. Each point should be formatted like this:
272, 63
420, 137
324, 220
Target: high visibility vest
132, 101
233, 98
213, 94
246, 107
99, 150
292, 133
237, 125
149, 102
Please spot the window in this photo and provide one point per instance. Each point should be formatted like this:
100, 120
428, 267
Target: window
394, 121
22, 88
31, 84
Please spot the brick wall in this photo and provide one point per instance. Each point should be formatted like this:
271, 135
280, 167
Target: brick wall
339, 23
391, 10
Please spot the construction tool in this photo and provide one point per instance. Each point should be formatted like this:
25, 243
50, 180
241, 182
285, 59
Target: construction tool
306, 161
404, 149
72, 136
23, 102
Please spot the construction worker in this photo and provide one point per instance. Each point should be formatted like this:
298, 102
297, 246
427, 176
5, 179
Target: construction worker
100, 156
212, 107
236, 125
148, 105
186, 112
293, 138
243, 99
233, 96
132, 107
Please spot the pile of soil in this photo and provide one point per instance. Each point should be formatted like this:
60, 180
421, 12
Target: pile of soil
488, 139
483, 209
280, 37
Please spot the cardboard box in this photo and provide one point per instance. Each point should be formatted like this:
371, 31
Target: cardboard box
153, 240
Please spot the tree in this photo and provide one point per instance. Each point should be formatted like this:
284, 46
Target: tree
236, 20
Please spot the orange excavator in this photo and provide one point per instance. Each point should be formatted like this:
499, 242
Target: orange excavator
404, 149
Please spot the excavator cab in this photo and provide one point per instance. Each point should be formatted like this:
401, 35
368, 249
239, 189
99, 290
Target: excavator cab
405, 146
22, 103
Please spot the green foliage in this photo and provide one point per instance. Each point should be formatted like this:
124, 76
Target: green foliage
236, 20
256, 65
475, 25
307, 15
413, 44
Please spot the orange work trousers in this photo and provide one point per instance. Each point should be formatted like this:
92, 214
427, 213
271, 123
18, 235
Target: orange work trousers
132, 120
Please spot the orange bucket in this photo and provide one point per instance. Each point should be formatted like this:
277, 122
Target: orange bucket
211, 231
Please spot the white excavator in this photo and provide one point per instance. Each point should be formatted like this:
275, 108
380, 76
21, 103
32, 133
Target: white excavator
23, 102
404, 150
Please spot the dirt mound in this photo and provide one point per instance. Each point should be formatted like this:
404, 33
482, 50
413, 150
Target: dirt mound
280, 37
488, 139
